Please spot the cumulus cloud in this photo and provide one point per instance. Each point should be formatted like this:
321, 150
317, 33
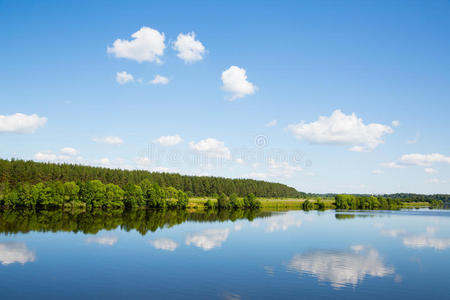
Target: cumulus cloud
342, 129
102, 240
147, 45
395, 123
143, 161
430, 170
164, 244
21, 123
341, 268
424, 159
208, 239
392, 165
189, 49
235, 82
69, 151
169, 140
271, 123
124, 77
212, 148
13, 252
112, 140
158, 79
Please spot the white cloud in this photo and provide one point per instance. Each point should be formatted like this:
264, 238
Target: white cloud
164, 244
341, 129
102, 240
158, 79
271, 123
162, 169
239, 161
395, 123
424, 159
147, 45
169, 140
392, 165
235, 82
112, 140
377, 172
69, 151
211, 148
430, 170
13, 252
124, 77
208, 239
143, 161
341, 268
21, 123
189, 49
65, 157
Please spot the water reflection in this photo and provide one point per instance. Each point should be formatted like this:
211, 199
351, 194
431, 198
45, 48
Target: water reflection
208, 239
341, 268
283, 222
102, 240
421, 240
143, 221
164, 244
13, 252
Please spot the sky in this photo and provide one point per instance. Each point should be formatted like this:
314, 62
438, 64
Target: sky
325, 96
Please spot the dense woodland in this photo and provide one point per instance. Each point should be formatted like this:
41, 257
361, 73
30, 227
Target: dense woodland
13, 172
372, 202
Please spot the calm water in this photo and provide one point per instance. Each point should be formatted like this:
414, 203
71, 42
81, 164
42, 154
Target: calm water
296, 254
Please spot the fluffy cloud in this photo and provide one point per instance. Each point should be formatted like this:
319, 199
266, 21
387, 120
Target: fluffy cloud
147, 45
395, 123
424, 159
158, 79
430, 170
164, 244
208, 239
341, 268
69, 151
377, 172
169, 140
189, 49
21, 123
12, 252
212, 148
235, 82
124, 77
341, 129
271, 123
392, 165
112, 140
102, 240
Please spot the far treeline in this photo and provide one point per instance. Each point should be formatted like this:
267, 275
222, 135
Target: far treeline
373, 202
13, 172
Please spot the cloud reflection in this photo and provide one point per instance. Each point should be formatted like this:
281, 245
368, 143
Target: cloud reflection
422, 240
283, 222
12, 252
102, 240
164, 244
208, 239
341, 268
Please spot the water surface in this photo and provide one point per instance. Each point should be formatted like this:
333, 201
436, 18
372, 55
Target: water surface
238, 255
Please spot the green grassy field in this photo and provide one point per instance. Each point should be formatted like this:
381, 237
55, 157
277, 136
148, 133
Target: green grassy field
198, 203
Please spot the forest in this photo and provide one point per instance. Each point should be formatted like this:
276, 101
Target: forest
14, 172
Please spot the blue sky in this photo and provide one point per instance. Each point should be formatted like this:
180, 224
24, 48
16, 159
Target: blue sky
347, 69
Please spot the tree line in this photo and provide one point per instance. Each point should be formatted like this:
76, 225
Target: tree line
234, 202
366, 202
91, 194
13, 172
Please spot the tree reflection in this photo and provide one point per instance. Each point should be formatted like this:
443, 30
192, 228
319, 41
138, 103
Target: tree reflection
143, 221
